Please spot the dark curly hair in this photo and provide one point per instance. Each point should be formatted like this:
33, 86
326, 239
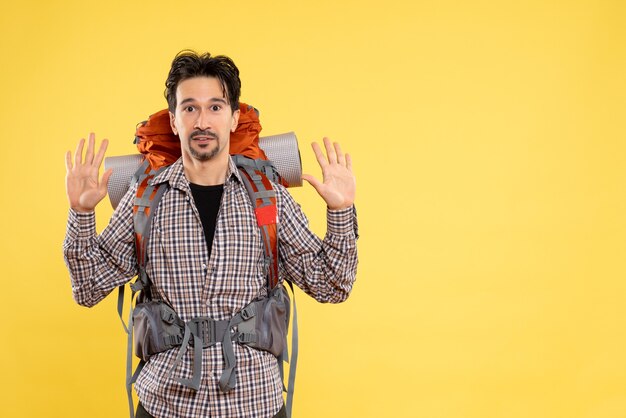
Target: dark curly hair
189, 64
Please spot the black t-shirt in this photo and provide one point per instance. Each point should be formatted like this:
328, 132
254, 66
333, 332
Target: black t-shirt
207, 199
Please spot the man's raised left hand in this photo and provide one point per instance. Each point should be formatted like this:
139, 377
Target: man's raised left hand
338, 187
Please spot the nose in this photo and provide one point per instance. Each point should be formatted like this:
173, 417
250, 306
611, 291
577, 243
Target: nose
203, 121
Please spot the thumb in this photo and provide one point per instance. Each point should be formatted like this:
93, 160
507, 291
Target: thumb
312, 181
104, 184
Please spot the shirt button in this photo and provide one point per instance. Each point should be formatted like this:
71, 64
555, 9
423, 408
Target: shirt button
204, 266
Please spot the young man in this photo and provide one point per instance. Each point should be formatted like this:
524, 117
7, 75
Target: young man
205, 254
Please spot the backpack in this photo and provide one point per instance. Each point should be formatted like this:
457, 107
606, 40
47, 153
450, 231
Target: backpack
263, 323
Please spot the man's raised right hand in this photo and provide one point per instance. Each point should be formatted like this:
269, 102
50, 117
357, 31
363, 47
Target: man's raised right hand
84, 191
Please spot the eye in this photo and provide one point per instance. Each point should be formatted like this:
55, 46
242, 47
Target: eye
216, 108
189, 109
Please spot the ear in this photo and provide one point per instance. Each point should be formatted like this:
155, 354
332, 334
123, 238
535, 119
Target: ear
235, 121
172, 123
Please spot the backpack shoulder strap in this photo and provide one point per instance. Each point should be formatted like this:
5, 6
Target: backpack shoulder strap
263, 198
147, 199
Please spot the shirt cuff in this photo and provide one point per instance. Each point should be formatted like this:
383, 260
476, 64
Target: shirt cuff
341, 221
81, 225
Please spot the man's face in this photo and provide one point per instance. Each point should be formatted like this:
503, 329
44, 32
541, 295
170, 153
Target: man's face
203, 119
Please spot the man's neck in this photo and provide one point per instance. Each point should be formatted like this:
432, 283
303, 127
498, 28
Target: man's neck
206, 173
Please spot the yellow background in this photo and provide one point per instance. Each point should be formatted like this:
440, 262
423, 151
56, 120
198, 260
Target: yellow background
488, 141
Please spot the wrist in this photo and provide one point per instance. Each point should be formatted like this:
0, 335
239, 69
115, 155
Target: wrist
80, 209
341, 207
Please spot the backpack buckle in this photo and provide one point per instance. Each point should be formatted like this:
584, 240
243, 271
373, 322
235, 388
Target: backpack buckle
248, 312
168, 316
206, 329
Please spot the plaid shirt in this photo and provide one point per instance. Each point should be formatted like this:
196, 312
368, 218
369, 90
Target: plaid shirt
216, 285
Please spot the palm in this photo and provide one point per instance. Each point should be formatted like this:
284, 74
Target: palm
82, 190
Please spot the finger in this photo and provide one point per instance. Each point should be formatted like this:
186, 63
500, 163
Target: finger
321, 159
100, 156
348, 162
330, 151
312, 181
104, 183
340, 157
68, 161
78, 157
90, 147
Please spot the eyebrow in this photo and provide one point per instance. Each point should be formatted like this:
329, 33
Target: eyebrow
213, 100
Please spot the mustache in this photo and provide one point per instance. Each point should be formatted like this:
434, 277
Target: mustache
197, 133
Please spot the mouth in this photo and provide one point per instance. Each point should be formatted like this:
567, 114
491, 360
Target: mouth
203, 137
203, 141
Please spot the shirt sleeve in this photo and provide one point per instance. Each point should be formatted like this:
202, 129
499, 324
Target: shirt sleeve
324, 269
100, 263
